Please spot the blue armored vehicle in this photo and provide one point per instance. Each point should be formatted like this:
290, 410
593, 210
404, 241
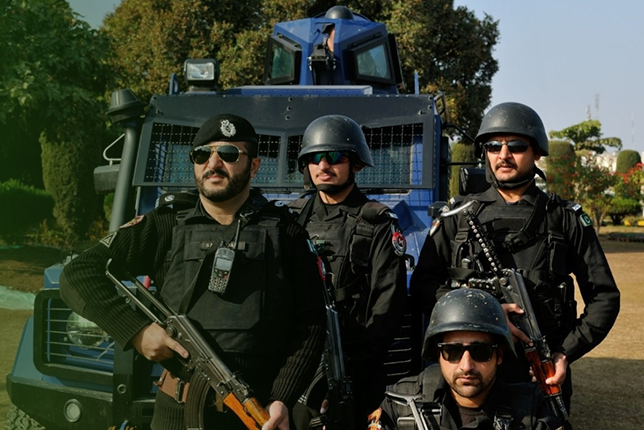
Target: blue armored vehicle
68, 374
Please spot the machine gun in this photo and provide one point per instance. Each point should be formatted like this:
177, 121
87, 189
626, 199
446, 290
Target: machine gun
509, 285
207, 368
340, 415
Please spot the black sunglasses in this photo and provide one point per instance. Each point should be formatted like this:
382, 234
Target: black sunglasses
228, 153
331, 157
514, 146
453, 352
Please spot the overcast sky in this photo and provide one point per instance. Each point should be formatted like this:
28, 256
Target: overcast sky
567, 59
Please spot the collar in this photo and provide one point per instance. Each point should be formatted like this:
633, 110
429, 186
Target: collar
492, 195
351, 205
253, 204
442, 395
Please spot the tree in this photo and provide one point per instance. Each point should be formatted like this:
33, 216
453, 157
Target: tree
628, 194
561, 166
53, 77
587, 136
593, 189
449, 47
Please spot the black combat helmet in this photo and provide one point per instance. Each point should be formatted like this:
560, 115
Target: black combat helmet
512, 118
334, 133
339, 12
466, 309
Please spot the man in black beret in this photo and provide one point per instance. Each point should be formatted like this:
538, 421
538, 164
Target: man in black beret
264, 308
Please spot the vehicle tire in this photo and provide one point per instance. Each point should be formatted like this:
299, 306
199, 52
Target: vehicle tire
17, 419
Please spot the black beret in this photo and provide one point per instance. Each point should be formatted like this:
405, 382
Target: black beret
227, 128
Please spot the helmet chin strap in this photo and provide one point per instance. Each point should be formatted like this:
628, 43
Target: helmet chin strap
507, 185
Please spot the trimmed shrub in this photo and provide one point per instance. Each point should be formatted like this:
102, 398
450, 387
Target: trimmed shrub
23, 208
626, 160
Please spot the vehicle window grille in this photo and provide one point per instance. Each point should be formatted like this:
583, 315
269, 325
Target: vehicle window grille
293, 175
396, 151
61, 350
397, 155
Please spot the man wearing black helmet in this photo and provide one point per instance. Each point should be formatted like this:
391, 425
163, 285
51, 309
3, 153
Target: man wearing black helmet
263, 308
470, 338
362, 249
545, 238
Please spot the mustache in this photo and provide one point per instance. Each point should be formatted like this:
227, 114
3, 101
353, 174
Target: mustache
218, 172
470, 374
325, 172
505, 164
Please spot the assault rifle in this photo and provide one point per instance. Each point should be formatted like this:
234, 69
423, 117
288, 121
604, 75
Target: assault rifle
509, 285
208, 370
340, 414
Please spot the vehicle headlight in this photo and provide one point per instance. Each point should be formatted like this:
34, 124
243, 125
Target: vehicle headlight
201, 74
83, 332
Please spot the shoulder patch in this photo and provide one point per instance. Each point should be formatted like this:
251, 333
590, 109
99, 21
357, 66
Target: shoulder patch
436, 224
134, 221
398, 240
584, 219
107, 240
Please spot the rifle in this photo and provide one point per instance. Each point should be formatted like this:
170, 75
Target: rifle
208, 370
509, 284
340, 414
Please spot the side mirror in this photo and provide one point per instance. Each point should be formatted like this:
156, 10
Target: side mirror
105, 178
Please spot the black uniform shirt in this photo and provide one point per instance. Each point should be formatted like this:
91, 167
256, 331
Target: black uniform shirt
142, 246
585, 259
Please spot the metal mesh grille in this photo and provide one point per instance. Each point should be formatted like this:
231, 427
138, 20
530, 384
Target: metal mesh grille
396, 152
397, 156
60, 349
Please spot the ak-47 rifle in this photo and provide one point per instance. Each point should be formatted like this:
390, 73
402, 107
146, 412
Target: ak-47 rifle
509, 284
340, 415
207, 368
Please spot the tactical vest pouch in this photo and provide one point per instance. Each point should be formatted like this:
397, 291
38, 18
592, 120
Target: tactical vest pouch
240, 308
557, 258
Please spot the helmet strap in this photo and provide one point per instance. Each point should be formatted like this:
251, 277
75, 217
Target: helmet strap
507, 185
332, 189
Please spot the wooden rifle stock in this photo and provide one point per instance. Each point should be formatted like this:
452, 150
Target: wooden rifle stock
542, 369
509, 284
203, 360
251, 412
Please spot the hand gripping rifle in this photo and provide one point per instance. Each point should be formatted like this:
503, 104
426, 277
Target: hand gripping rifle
509, 284
340, 415
208, 370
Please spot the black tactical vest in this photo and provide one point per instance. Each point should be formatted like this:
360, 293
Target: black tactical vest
345, 249
253, 312
516, 407
529, 239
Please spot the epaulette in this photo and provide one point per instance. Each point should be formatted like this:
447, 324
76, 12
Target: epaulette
178, 200
375, 212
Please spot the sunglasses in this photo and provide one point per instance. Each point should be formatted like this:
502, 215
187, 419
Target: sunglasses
453, 352
514, 146
331, 157
227, 153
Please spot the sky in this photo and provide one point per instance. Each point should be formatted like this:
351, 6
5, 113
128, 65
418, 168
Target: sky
567, 59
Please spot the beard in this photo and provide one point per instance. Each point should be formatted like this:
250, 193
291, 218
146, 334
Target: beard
233, 186
473, 387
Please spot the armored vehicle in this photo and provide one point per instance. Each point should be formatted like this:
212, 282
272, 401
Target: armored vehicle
68, 373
